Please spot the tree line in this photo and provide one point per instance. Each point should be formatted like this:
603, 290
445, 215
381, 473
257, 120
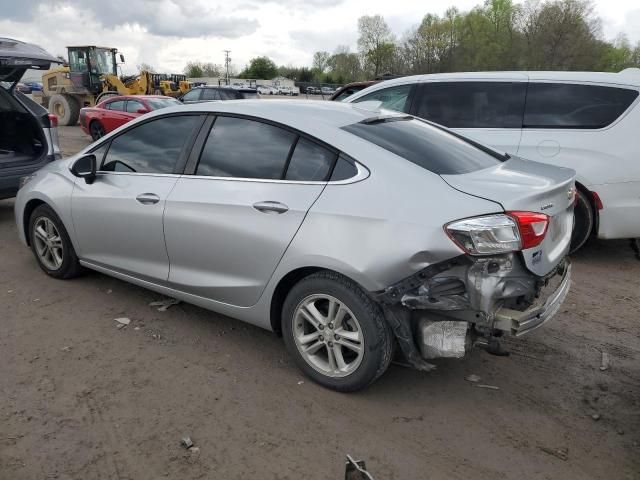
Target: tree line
497, 35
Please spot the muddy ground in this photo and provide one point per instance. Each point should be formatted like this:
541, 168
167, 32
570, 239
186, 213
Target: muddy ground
82, 399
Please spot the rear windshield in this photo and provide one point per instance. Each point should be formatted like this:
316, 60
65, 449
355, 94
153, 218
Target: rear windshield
158, 103
428, 146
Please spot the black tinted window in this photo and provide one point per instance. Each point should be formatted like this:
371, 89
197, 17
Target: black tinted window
228, 95
558, 105
249, 95
193, 95
344, 169
393, 98
245, 149
210, 94
472, 104
310, 162
153, 147
117, 105
427, 146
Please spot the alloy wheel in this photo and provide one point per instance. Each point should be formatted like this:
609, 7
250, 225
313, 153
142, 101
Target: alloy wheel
48, 243
328, 335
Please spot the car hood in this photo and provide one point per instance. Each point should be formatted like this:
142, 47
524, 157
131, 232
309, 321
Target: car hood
519, 184
17, 57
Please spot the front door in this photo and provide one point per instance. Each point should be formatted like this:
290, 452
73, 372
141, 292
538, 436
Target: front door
228, 225
118, 218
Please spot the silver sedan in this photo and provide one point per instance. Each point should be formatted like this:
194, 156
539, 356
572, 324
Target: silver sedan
356, 233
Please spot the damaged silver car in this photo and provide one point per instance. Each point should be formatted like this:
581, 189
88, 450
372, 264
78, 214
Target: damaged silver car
356, 233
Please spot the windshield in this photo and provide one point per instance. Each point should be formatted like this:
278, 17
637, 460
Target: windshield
428, 146
102, 61
158, 103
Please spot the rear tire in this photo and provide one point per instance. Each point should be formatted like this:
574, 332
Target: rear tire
66, 108
354, 344
96, 129
51, 245
583, 221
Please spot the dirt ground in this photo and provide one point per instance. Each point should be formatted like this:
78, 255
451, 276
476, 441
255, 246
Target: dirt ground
82, 399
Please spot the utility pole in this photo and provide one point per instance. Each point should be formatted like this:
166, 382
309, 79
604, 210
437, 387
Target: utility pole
227, 63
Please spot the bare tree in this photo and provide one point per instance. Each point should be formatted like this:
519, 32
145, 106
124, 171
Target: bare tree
375, 42
321, 61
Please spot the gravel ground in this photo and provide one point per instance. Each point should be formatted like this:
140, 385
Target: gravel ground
82, 399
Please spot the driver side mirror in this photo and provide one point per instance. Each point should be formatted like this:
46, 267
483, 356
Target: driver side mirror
85, 167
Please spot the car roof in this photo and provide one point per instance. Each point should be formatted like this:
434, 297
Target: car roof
630, 77
133, 97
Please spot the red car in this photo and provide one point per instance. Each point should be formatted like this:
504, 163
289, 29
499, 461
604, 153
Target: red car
118, 110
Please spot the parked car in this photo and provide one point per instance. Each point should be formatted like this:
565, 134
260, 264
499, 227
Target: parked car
34, 86
210, 93
349, 89
286, 215
117, 110
327, 91
584, 121
23, 88
313, 91
265, 90
28, 133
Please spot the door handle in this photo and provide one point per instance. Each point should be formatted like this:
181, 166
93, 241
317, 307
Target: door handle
270, 207
148, 198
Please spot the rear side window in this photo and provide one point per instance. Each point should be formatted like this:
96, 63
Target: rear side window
153, 147
561, 105
472, 104
392, 98
430, 147
247, 95
310, 162
242, 148
193, 95
228, 95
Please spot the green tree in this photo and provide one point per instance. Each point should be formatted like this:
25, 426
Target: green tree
321, 61
375, 43
193, 70
260, 67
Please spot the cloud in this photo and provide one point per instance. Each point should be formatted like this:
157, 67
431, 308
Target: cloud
326, 40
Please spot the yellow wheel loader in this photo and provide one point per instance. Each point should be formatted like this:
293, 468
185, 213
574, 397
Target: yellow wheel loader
91, 74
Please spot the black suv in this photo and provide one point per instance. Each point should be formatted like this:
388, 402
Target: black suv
28, 133
210, 93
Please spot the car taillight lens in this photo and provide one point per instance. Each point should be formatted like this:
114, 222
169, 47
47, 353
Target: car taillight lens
533, 227
53, 120
485, 235
500, 233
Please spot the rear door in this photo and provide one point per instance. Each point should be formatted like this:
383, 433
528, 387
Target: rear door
251, 188
487, 111
114, 115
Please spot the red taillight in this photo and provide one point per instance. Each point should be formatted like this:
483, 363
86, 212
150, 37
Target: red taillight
532, 226
53, 120
597, 201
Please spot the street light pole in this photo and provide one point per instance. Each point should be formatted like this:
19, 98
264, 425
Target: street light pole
227, 63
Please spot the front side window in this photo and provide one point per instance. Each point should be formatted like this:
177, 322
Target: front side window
310, 162
562, 105
427, 146
133, 106
242, 148
392, 98
116, 105
192, 96
210, 94
153, 147
472, 104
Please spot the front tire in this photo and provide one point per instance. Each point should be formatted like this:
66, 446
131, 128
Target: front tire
51, 245
335, 333
583, 221
66, 108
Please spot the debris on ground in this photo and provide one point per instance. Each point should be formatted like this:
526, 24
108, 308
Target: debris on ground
596, 416
123, 321
301, 382
186, 442
136, 328
109, 292
164, 305
488, 387
66, 349
561, 453
604, 362
408, 419
473, 378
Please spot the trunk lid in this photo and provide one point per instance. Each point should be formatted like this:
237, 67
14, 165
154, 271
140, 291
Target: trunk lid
17, 57
524, 185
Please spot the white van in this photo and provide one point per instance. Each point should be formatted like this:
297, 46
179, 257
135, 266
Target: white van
582, 120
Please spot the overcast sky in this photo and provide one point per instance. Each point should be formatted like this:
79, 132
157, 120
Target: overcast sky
168, 33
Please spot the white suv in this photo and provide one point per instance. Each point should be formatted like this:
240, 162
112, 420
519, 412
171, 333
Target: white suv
589, 122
